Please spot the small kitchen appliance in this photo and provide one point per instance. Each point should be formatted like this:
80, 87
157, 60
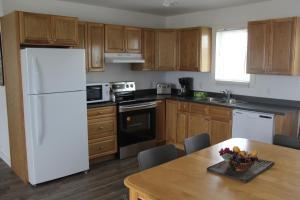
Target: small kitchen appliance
163, 88
97, 92
186, 86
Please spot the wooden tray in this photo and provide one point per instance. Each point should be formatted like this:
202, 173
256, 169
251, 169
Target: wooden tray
225, 169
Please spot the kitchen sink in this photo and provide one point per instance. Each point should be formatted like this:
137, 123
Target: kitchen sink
224, 101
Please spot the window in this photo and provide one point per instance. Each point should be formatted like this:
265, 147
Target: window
231, 56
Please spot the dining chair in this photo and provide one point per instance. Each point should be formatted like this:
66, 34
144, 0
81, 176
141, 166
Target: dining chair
196, 143
287, 141
156, 156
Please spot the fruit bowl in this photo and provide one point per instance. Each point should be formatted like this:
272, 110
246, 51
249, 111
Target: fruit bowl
240, 161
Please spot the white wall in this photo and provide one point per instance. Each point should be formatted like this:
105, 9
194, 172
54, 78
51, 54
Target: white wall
282, 87
117, 72
4, 137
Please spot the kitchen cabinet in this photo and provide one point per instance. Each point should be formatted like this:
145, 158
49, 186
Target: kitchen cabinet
133, 38
95, 47
166, 50
220, 124
273, 47
91, 38
195, 49
121, 39
102, 131
198, 124
171, 121
42, 29
83, 41
148, 51
182, 127
161, 121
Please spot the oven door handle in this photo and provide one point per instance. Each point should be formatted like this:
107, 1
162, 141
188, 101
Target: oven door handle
134, 107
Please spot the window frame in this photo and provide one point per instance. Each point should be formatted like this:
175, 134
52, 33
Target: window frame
231, 82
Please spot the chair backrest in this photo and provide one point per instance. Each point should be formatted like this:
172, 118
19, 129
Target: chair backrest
196, 143
156, 156
287, 141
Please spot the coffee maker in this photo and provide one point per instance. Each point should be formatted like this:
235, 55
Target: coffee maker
186, 86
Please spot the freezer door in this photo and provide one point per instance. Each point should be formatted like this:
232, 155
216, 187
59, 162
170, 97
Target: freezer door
253, 126
56, 133
53, 70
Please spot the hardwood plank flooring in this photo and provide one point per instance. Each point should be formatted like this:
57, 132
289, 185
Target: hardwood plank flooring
103, 182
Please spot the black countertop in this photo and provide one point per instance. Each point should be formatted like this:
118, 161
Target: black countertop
257, 107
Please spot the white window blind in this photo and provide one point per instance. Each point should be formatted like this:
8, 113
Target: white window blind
231, 56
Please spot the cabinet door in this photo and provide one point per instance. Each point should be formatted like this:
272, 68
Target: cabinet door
161, 121
182, 127
83, 40
171, 121
35, 28
166, 50
114, 39
198, 124
148, 51
133, 39
189, 49
219, 131
65, 30
258, 46
96, 46
281, 48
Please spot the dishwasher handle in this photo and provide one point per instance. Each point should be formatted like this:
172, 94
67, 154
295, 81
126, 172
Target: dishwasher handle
265, 117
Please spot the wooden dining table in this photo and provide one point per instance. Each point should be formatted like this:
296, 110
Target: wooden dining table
187, 177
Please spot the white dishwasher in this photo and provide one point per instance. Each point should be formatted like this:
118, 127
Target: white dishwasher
253, 125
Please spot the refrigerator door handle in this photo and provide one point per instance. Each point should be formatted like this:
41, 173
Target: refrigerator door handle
36, 75
38, 118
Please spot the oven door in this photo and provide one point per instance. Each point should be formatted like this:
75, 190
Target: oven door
136, 123
94, 93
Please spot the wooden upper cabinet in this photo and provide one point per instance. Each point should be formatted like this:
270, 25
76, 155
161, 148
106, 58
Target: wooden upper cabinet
83, 40
195, 49
148, 51
114, 39
96, 47
282, 46
65, 30
35, 28
133, 39
258, 44
166, 50
42, 29
274, 47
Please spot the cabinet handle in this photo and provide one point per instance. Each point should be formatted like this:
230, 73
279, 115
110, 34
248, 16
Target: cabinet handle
101, 128
100, 113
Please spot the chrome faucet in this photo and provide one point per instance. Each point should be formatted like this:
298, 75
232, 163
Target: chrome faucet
227, 94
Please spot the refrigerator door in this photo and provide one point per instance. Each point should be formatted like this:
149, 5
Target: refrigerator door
53, 70
56, 135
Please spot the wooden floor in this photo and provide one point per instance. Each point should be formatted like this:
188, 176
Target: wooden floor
104, 181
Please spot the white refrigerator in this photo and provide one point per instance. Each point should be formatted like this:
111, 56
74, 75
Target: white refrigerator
54, 84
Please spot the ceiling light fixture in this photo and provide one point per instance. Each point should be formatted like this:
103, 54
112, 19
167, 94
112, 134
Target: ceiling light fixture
170, 3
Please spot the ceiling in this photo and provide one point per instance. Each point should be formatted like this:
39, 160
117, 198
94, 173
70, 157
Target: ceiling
156, 6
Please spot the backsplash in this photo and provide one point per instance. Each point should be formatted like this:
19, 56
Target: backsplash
123, 72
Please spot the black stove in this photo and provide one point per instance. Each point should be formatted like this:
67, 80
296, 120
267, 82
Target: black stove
136, 119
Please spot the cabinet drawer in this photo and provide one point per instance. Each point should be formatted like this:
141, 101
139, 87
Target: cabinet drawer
183, 106
101, 129
221, 113
199, 108
100, 148
100, 112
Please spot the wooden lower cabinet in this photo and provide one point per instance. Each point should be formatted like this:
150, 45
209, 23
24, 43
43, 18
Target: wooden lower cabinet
161, 121
182, 127
171, 121
102, 131
184, 120
198, 123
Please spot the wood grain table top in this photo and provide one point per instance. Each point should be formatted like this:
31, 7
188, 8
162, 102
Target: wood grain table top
187, 177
